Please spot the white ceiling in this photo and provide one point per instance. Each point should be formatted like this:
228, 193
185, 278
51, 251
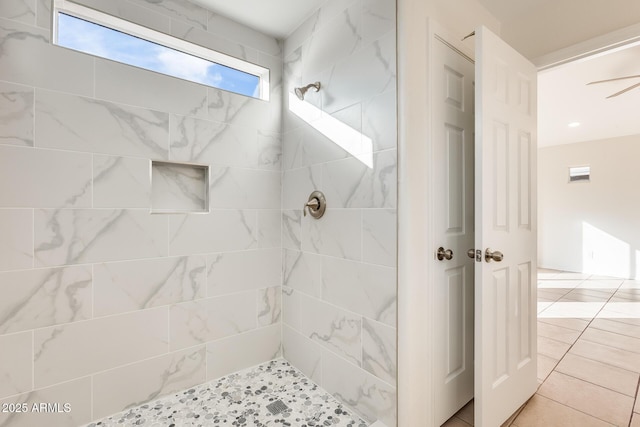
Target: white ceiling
277, 18
563, 95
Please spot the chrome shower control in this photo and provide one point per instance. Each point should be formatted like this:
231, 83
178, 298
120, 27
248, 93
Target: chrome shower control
316, 205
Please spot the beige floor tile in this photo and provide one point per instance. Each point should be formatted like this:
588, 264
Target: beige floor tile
623, 295
630, 284
545, 366
636, 408
616, 326
591, 399
466, 413
569, 275
558, 333
545, 295
612, 339
596, 277
635, 421
455, 422
609, 355
572, 309
575, 324
601, 284
567, 285
607, 376
543, 412
587, 295
620, 310
552, 348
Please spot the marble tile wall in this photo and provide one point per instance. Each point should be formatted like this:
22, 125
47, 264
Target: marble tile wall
104, 305
339, 272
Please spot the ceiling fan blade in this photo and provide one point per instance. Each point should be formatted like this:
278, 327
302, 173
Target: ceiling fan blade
613, 80
624, 90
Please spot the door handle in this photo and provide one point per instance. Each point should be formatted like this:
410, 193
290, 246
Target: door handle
444, 254
496, 256
471, 253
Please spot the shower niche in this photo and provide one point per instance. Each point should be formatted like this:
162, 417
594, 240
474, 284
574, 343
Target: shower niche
179, 187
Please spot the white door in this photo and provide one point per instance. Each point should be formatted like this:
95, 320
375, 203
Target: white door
505, 291
453, 151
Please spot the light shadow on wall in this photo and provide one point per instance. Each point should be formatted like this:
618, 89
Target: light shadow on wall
606, 255
349, 139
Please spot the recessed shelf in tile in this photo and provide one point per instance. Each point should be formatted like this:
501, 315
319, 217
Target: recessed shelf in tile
179, 187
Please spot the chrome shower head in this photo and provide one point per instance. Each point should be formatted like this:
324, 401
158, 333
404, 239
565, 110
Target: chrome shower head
300, 91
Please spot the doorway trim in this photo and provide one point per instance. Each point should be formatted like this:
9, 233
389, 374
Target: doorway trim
414, 335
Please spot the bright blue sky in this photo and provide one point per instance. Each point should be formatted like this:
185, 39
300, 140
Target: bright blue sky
95, 39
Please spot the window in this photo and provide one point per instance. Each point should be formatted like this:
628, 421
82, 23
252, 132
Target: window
579, 173
90, 31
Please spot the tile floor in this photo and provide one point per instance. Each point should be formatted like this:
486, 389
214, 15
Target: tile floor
588, 354
272, 394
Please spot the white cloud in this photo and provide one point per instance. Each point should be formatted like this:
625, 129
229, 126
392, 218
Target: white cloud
187, 67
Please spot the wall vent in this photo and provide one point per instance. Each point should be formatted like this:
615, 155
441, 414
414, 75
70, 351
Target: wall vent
579, 173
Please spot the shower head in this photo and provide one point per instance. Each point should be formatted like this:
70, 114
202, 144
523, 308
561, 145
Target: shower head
300, 91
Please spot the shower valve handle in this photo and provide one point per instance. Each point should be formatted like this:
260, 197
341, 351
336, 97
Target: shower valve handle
312, 205
316, 205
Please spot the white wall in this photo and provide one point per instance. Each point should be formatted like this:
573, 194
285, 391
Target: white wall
104, 305
339, 293
591, 227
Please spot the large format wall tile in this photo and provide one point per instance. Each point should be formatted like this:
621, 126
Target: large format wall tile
134, 86
16, 114
77, 394
218, 231
269, 228
176, 9
197, 322
379, 350
19, 10
373, 398
204, 141
83, 348
136, 285
335, 329
379, 236
337, 39
128, 11
44, 297
201, 37
298, 184
121, 182
69, 122
136, 384
232, 272
379, 121
338, 233
303, 272
269, 306
242, 351
27, 57
350, 183
16, 245
77, 236
240, 110
291, 229
224, 27
16, 355
366, 289
244, 188
44, 178
368, 72
303, 353
378, 18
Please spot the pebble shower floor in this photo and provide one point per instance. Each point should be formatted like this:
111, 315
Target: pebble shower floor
272, 394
